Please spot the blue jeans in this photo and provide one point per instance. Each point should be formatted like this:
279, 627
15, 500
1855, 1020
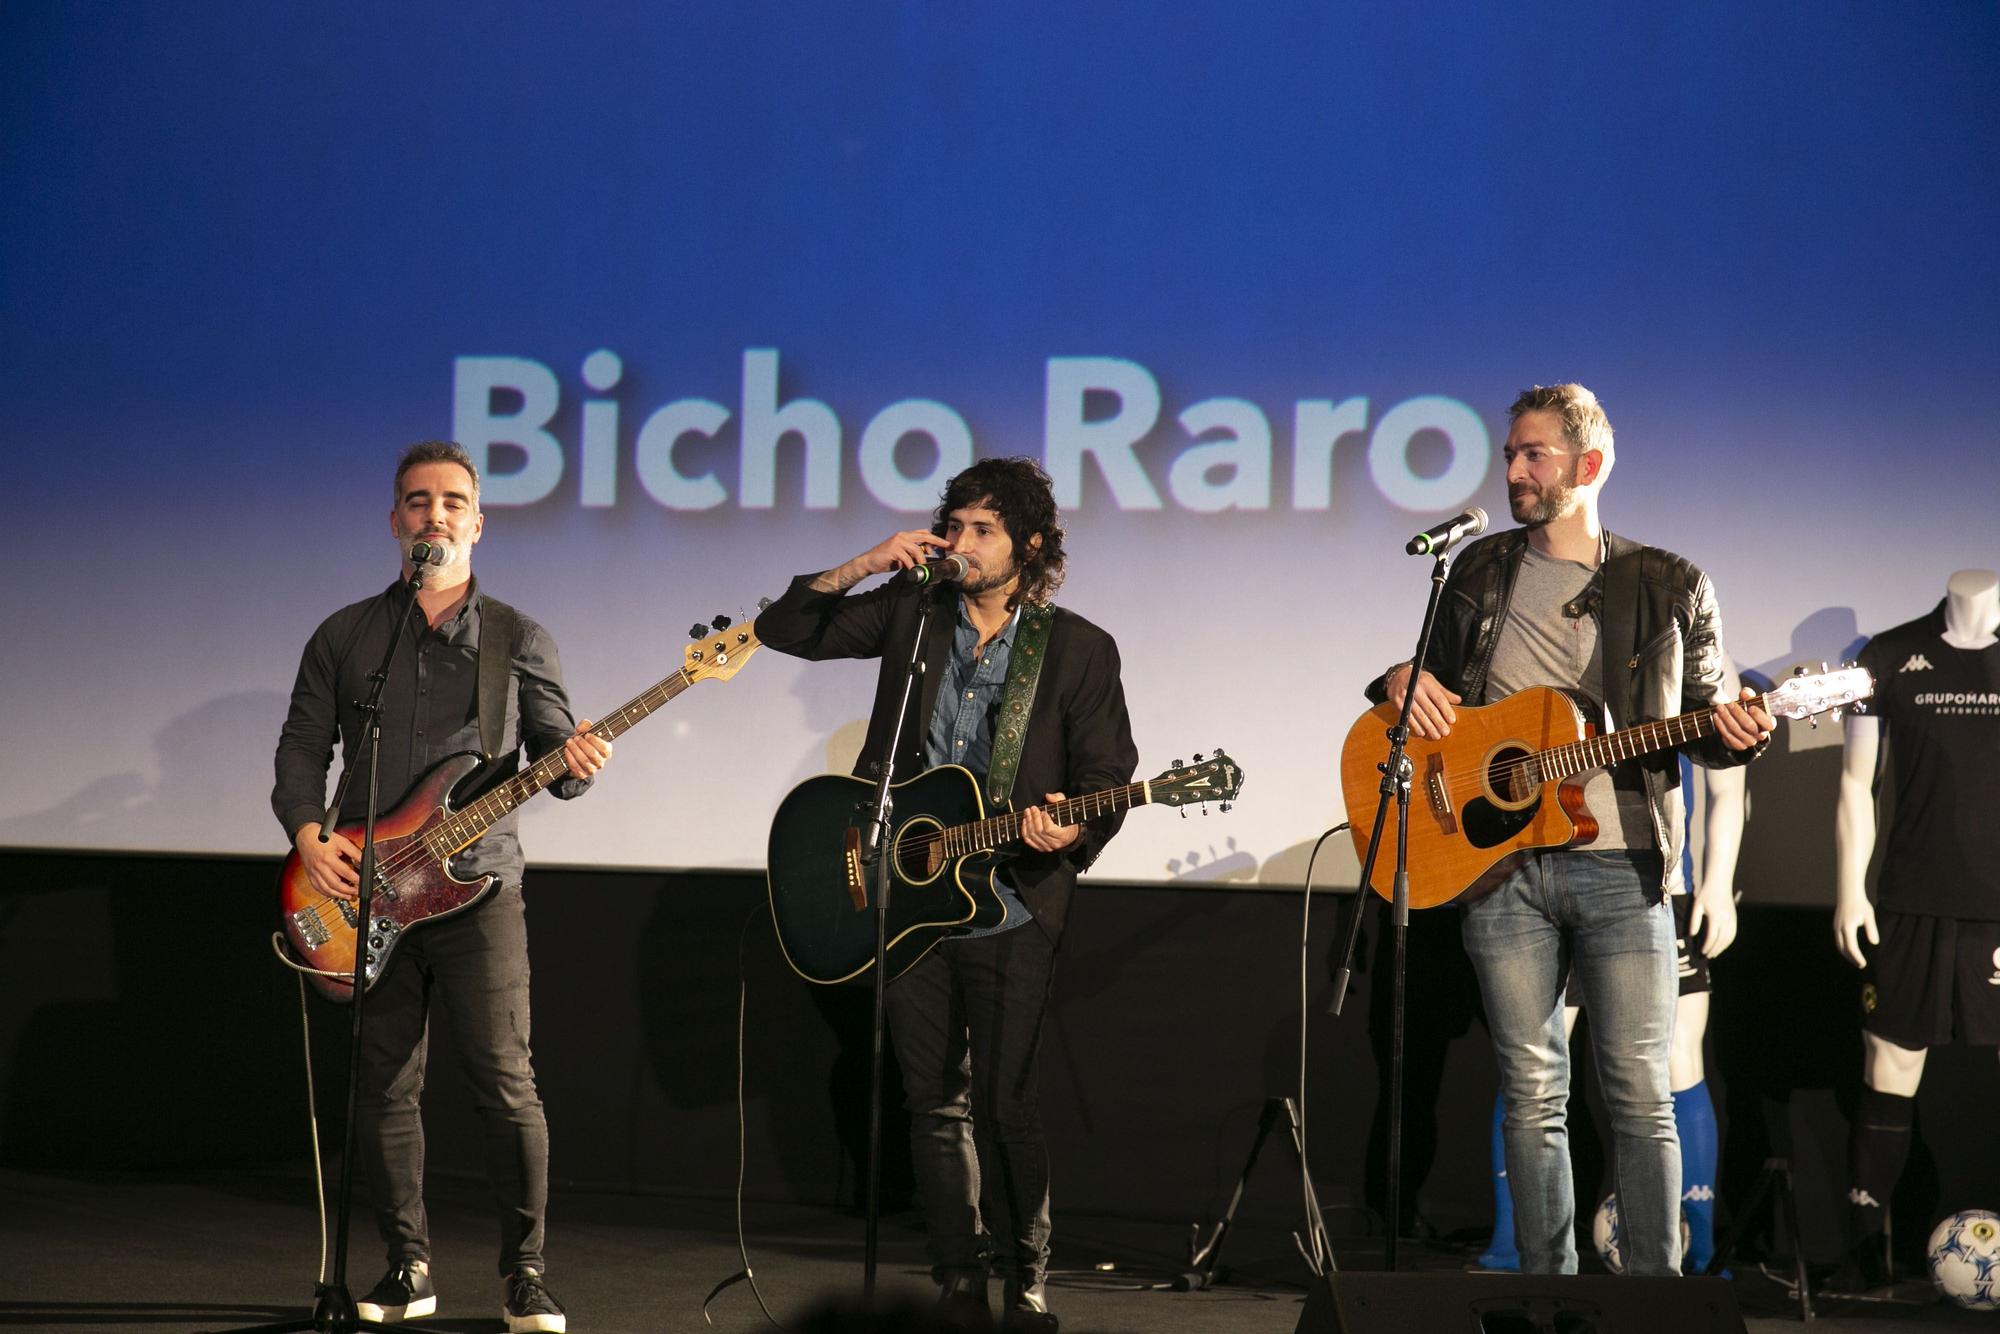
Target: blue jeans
1600, 918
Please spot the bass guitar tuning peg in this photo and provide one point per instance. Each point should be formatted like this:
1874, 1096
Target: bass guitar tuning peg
721, 622
697, 630
1180, 764
1197, 757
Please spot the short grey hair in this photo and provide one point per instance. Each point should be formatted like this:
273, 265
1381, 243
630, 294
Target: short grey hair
435, 451
1584, 424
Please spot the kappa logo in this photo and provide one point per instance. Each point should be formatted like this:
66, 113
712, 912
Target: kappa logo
1699, 1194
1917, 663
1861, 1199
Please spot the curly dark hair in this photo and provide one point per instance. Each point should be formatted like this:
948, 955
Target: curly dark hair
1019, 492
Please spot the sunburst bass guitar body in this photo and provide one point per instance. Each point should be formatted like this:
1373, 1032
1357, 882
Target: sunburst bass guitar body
415, 841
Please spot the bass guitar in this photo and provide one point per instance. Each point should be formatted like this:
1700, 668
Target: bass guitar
413, 880
1500, 786
942, 858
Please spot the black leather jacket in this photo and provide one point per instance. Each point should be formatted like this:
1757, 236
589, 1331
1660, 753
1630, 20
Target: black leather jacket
1662, 637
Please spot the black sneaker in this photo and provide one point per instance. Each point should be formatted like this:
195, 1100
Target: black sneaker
530, 1306
405, 1293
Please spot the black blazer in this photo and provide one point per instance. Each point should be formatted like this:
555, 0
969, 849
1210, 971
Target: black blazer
1079, 736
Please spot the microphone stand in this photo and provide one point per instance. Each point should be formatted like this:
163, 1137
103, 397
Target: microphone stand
1396, 773
881, 846
334, 1310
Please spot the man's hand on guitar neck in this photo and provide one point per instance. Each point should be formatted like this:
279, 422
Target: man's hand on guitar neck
333, 867
1743, 725
1041, 833
585, 752
1431, 716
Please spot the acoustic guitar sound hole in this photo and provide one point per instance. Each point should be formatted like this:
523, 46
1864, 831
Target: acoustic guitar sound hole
1488, 825
916, 853
1507, 775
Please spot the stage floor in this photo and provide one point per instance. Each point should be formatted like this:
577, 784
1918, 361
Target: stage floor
171, 1253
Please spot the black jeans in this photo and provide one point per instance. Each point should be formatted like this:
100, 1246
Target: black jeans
474, 967
967, 1024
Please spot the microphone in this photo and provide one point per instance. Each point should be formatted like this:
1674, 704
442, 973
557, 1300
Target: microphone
428, 553
950, 569
1434, 540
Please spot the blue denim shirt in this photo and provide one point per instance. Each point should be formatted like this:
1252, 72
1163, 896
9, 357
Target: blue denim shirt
962, 724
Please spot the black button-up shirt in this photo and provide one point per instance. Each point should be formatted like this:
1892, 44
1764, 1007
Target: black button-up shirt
430, 710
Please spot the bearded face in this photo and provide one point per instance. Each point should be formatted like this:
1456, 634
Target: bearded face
1538, 501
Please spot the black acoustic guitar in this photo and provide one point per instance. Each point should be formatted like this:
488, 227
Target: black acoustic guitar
942, 857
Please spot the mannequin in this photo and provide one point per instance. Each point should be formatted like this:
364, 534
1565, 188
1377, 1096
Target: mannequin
1937, 702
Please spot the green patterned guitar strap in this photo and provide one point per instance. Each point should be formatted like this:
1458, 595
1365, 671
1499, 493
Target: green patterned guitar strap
1017, 702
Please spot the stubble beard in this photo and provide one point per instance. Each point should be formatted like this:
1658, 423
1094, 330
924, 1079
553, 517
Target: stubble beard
980, 583
1540, 508
455, 553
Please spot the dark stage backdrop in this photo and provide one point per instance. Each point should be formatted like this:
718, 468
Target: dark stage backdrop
143, 1024
720, 291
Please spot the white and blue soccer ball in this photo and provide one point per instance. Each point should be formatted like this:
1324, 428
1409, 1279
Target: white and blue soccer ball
1607, 1235
1965, 1259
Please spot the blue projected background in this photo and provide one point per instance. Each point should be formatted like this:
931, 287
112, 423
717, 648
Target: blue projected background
722, 293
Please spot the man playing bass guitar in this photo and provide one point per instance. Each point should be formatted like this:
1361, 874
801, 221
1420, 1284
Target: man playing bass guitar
966, 1019
1562, 603
473, 963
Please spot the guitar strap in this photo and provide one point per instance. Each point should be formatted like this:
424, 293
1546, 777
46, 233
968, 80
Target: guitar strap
1619, 621
1618, 625
496, 671
1017, 701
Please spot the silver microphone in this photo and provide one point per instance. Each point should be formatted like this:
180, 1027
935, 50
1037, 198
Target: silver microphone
950, 569
1436, 539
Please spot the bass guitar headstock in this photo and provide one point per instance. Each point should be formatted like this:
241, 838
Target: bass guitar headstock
719, 650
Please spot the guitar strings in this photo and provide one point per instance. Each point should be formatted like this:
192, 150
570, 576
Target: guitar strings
414, 850
1699, 723
997, 826
417, 849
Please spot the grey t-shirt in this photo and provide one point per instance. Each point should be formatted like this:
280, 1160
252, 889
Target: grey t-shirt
1549, 640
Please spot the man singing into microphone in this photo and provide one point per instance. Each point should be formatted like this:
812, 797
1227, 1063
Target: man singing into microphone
473, 964
1561, 602
966, 1020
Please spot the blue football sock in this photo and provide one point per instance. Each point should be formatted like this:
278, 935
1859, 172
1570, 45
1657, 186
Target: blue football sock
1501, 1252
1694, 1117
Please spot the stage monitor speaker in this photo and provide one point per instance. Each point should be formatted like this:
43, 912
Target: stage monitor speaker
1455, 1303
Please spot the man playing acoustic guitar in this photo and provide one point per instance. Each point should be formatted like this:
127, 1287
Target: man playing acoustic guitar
1562, 603
473, 963
1010, 684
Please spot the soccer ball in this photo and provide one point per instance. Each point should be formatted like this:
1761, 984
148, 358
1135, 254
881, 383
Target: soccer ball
1607, 1235
1965, 1259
